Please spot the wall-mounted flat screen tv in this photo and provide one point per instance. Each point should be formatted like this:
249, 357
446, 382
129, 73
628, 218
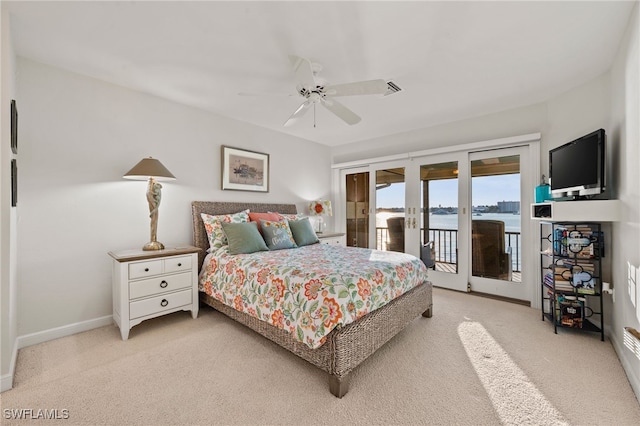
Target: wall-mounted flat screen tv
576, 169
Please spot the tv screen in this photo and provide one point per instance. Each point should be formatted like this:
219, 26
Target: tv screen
576, 169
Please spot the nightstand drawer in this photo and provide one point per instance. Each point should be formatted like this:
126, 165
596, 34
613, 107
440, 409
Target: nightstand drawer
152, 305
332, 241
337, 239
158, 285
145, 269
177, 264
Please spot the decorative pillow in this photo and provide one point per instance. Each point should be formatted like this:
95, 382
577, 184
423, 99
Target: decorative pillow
256, 217
213, 225
277, 235
286, 216
243, 237
303, 232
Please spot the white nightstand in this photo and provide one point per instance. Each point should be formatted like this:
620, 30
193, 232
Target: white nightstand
148, 284
335, 238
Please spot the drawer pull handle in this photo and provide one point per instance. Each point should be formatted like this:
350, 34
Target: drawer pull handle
146, 269
179, 264
164, 284
164, 303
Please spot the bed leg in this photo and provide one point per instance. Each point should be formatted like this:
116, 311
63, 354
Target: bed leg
428, 313
339, 386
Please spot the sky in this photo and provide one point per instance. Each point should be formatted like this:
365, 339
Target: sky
486, 190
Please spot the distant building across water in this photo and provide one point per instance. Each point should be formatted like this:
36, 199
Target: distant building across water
501, 207
508, 206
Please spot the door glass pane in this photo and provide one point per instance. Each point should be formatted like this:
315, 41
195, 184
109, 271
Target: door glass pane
390, 198
495, 225
357, 209
439, 201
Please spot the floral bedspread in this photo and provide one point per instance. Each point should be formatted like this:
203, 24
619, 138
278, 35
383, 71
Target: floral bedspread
310, 290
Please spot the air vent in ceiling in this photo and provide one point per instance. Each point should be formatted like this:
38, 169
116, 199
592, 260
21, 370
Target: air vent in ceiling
392, 88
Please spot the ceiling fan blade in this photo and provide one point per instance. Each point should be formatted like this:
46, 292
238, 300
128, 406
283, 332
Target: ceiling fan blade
279, 94
344, 113
368, 87
302, 109
303, 71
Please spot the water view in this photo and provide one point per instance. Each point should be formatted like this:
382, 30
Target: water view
450, 221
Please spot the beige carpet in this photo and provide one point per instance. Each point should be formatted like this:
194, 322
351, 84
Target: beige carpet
478, 361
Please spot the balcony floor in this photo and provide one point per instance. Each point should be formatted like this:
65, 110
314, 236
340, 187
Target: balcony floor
451, 268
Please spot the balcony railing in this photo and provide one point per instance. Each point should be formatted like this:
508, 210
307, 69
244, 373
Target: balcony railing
445, 243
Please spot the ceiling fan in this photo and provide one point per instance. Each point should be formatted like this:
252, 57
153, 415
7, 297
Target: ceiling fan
315, 91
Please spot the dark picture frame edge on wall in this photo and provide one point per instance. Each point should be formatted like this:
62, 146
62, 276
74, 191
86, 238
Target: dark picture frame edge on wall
14, 182
14, 127
244, 170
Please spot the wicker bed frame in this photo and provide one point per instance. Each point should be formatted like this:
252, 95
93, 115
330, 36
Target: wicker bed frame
346, 347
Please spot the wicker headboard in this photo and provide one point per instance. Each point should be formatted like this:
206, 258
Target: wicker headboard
200, 238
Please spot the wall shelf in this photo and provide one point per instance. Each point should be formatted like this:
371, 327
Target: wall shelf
583, 210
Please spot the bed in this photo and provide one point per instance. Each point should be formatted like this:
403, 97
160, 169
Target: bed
344, 347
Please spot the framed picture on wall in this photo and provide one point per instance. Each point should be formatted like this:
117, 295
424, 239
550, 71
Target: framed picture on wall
14, 183
14, 127
244, 170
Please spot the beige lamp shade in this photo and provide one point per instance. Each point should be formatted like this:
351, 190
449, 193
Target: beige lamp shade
149, 168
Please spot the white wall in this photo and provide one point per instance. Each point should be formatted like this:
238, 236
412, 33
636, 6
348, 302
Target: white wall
625, 128
519, 121
559, 120
8, 281
576, 113
78, 137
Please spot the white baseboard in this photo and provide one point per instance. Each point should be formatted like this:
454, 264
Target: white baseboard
6, 381
634, 380
65, 330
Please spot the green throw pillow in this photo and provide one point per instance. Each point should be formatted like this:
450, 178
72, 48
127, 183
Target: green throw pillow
277, 235
303, 232
244, 237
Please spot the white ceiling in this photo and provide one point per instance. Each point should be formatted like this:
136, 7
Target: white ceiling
453, 60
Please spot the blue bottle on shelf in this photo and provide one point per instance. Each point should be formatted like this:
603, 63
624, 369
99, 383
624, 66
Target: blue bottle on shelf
543, 191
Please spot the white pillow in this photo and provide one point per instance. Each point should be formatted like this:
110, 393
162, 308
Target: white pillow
213, 226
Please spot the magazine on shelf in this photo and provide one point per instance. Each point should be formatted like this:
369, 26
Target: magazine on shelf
571, 312
584, 282
582, 242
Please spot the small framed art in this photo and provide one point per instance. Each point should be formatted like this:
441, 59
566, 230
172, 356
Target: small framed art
14, 127
244, 170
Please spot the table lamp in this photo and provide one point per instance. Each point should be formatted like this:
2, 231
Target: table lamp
320, 208
152, 169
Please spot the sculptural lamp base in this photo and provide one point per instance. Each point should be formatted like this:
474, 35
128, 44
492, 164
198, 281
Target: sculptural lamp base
152, 169
153, 245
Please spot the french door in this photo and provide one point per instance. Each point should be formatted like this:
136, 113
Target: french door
498, 223
440, 195
467, 206
390, 217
